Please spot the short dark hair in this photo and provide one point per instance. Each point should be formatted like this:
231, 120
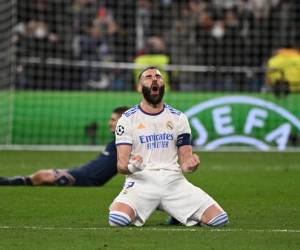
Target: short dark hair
120, 110
145, 69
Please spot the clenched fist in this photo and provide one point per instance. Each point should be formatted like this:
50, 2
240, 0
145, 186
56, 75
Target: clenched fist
190, 164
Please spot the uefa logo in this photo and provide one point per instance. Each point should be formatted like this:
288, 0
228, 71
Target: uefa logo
241, 121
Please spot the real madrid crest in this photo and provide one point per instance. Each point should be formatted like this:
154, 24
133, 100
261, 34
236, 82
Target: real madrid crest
170, 125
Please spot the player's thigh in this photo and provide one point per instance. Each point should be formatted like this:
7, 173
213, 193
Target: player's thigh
184, 199
139, 195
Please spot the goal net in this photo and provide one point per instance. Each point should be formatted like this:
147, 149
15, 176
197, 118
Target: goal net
7, 68
232, 66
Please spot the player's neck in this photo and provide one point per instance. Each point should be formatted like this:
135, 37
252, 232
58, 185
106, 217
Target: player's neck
151, 108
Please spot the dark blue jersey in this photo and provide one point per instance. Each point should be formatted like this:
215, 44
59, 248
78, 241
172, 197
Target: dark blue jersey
98, 171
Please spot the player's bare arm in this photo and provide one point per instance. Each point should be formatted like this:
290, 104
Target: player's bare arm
126, 167
189, 162
123, 154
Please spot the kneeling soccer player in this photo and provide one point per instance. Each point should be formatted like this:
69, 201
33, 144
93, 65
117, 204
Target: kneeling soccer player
151, 137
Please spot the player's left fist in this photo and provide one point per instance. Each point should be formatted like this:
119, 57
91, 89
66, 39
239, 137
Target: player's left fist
191, 164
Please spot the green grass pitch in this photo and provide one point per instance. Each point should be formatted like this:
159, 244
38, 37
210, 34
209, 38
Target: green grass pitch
260, 192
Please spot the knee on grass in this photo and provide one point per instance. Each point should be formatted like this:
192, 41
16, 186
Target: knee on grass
219, 220
118, 219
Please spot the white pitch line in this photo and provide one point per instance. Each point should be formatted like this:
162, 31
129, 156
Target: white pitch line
181, 229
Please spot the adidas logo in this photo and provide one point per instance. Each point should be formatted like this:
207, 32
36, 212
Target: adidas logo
141, 126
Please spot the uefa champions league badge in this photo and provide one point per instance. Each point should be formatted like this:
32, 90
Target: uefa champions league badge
241, 121
120, 130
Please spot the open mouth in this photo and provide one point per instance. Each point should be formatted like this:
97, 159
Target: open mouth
155, 90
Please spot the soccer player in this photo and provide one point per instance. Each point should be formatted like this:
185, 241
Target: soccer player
151, 137
95, 173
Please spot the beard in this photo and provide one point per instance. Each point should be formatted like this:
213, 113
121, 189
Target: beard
153, 99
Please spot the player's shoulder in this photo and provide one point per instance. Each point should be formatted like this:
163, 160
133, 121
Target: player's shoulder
172, 110
131, 111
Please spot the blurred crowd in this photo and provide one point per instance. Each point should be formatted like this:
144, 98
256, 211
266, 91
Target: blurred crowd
230, 33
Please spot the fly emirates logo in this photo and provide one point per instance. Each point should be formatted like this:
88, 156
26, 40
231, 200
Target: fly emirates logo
242, 120
155, 141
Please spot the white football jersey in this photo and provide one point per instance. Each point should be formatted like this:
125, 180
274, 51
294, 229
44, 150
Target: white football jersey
153, 137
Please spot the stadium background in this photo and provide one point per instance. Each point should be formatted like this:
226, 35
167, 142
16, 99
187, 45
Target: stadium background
66, 64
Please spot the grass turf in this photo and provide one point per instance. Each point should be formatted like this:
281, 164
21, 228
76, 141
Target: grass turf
260, 192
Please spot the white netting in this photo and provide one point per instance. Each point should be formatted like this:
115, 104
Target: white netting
73, 57
7, 66
80, 44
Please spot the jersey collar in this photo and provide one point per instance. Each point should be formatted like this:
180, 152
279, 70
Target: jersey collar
151, 113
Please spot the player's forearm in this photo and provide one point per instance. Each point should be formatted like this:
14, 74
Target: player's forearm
123, 153
122, 164
123, 168
189, 162
184, 153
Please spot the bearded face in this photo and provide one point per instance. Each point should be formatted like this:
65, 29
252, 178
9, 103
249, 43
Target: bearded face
153, 94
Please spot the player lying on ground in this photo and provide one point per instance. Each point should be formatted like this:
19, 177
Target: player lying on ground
150, 138
95, 173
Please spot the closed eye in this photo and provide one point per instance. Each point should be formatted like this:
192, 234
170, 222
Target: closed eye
148, 76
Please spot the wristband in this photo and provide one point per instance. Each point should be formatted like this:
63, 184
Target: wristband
133, 168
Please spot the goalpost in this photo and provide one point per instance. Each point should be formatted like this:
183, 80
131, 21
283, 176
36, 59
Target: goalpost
66, 64
7, 70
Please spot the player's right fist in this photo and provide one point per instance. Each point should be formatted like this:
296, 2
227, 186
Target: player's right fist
136, 164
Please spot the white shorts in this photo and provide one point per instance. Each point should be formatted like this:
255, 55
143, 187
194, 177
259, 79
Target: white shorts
166, 190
